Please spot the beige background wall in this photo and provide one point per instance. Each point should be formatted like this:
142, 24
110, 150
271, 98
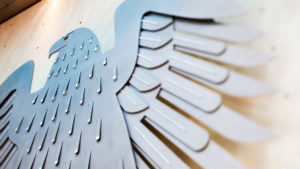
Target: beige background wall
29, 35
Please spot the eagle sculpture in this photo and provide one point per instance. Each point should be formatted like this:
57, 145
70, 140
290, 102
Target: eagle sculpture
137, 105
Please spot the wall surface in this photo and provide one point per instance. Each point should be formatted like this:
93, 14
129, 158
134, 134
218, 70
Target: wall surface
29, 35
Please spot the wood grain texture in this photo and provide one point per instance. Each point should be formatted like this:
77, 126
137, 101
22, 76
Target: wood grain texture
29, 36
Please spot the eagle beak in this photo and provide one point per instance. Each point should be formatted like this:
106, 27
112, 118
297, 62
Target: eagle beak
61, 43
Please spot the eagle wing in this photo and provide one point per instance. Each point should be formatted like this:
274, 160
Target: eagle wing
180, 73
15, 88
